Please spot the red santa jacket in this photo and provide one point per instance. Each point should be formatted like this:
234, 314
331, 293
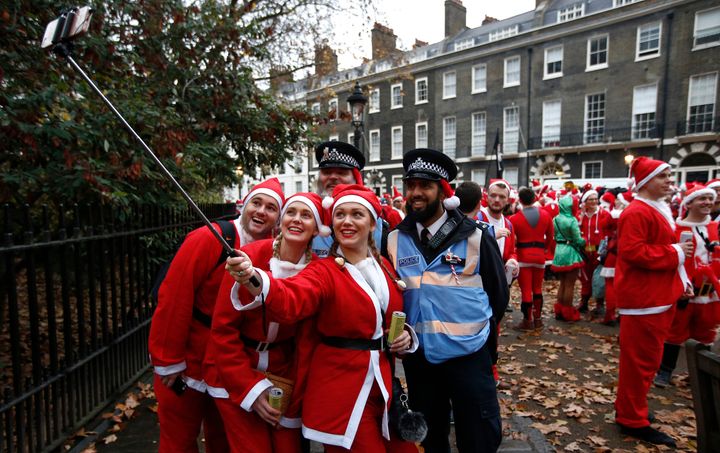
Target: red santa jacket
704, 267
531, 242
242, 347
508, 244
177, 340
647, 267
339, 380
594, 228
391, 216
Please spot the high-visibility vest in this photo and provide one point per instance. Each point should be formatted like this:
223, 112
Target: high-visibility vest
321, 245
449, 313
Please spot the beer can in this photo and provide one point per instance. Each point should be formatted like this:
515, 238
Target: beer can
686, 236
397, 324
275, 397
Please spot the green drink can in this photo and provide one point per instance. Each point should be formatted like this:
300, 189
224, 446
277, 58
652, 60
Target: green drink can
275, 398
397, 324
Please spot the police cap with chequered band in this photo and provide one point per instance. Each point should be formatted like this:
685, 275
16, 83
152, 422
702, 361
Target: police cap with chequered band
424, 163
335, 154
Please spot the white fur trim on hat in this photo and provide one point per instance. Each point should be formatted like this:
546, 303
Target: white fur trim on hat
264, 191
587, 194
659, 169
451, 203
354, 199
713, 184
309, 203
699, 193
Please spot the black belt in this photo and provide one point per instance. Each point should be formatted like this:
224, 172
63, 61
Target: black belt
527, 245
260, 346
202, 318
360, 344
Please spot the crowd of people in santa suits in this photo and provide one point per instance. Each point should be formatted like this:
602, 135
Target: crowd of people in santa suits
311, 295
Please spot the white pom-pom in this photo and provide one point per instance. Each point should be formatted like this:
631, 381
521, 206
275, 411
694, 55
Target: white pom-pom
328, 202
324, 230
451, 203
631, 183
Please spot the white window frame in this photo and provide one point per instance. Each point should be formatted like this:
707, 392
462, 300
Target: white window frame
690, 89
449, 140
585, 164
553, 75
315, 108
572, 12
397, 181
695, 30
478, 141
427, 91
374, 154
427, 132
507, 84
511, 175
475, 69
334, 138
464, 44
449, 90
595, 67
298, 189
351, 137
547, 136
657, 52
393, 104
508, 133
397, 152
619, 3
634, 122
337, 109
503, 33
586, 119
478, 175
374, 106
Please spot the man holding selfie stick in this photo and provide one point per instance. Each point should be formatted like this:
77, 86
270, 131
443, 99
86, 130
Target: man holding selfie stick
650, 279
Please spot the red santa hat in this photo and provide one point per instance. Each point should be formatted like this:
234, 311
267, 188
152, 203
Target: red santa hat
587, 186
551, 195
536, 184
397, 195
353, 193
314, 202
500, 182
625, 198
643, 169
713, 183
270, 187
587, 194
696, 191
608, 198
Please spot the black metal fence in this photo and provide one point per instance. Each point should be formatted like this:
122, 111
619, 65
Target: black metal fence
595, 136
75, 311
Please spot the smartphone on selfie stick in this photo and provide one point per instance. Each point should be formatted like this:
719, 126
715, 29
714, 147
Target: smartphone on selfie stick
59, 35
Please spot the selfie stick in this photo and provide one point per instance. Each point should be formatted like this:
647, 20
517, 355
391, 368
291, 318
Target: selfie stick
64, 49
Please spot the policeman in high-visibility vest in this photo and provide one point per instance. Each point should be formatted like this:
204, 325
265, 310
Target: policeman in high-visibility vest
456, 294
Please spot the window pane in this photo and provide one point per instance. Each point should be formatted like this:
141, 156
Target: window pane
449, 84
479, 78
551, 123
707, 27
511, 129
396, 96
421, 138
477, 145
595, 118
512, 71
397, 142
374, 145
449, 136
598, 51
421, 90
701, 102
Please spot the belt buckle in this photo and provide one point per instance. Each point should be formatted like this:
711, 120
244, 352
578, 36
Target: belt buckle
262, 346
383, 343
705, 290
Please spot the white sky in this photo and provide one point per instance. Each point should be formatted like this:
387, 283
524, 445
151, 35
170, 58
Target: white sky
411, 19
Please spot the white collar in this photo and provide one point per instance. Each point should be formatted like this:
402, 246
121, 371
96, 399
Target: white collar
687, 223
661, 207
435, 226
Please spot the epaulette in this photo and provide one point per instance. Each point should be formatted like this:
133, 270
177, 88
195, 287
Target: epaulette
484, 226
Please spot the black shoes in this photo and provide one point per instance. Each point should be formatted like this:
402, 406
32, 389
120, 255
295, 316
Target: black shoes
649, 434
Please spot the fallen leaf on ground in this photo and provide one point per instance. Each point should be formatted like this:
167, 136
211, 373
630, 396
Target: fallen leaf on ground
110, 439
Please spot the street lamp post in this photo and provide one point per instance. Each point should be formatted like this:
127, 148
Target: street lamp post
357, 103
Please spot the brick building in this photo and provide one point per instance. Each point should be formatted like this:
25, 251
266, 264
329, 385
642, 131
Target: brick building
572, 90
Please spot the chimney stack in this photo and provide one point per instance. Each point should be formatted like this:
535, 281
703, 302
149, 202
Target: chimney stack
488, 20
383, 41
455, 14
325, 60
279, 77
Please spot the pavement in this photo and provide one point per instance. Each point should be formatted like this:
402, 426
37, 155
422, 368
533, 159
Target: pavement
140, 434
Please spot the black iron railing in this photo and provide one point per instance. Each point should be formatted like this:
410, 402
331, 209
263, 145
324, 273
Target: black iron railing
699, 125
595, 136
75, 311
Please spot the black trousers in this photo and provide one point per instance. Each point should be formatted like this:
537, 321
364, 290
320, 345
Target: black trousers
468, 383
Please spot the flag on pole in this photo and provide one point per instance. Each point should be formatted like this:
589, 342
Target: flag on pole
498, 154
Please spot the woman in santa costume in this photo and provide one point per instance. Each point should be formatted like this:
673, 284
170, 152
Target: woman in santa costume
608, 271
181, 325
244, 346
649, 279
352, 293
567, 259
699, 316
593, 227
